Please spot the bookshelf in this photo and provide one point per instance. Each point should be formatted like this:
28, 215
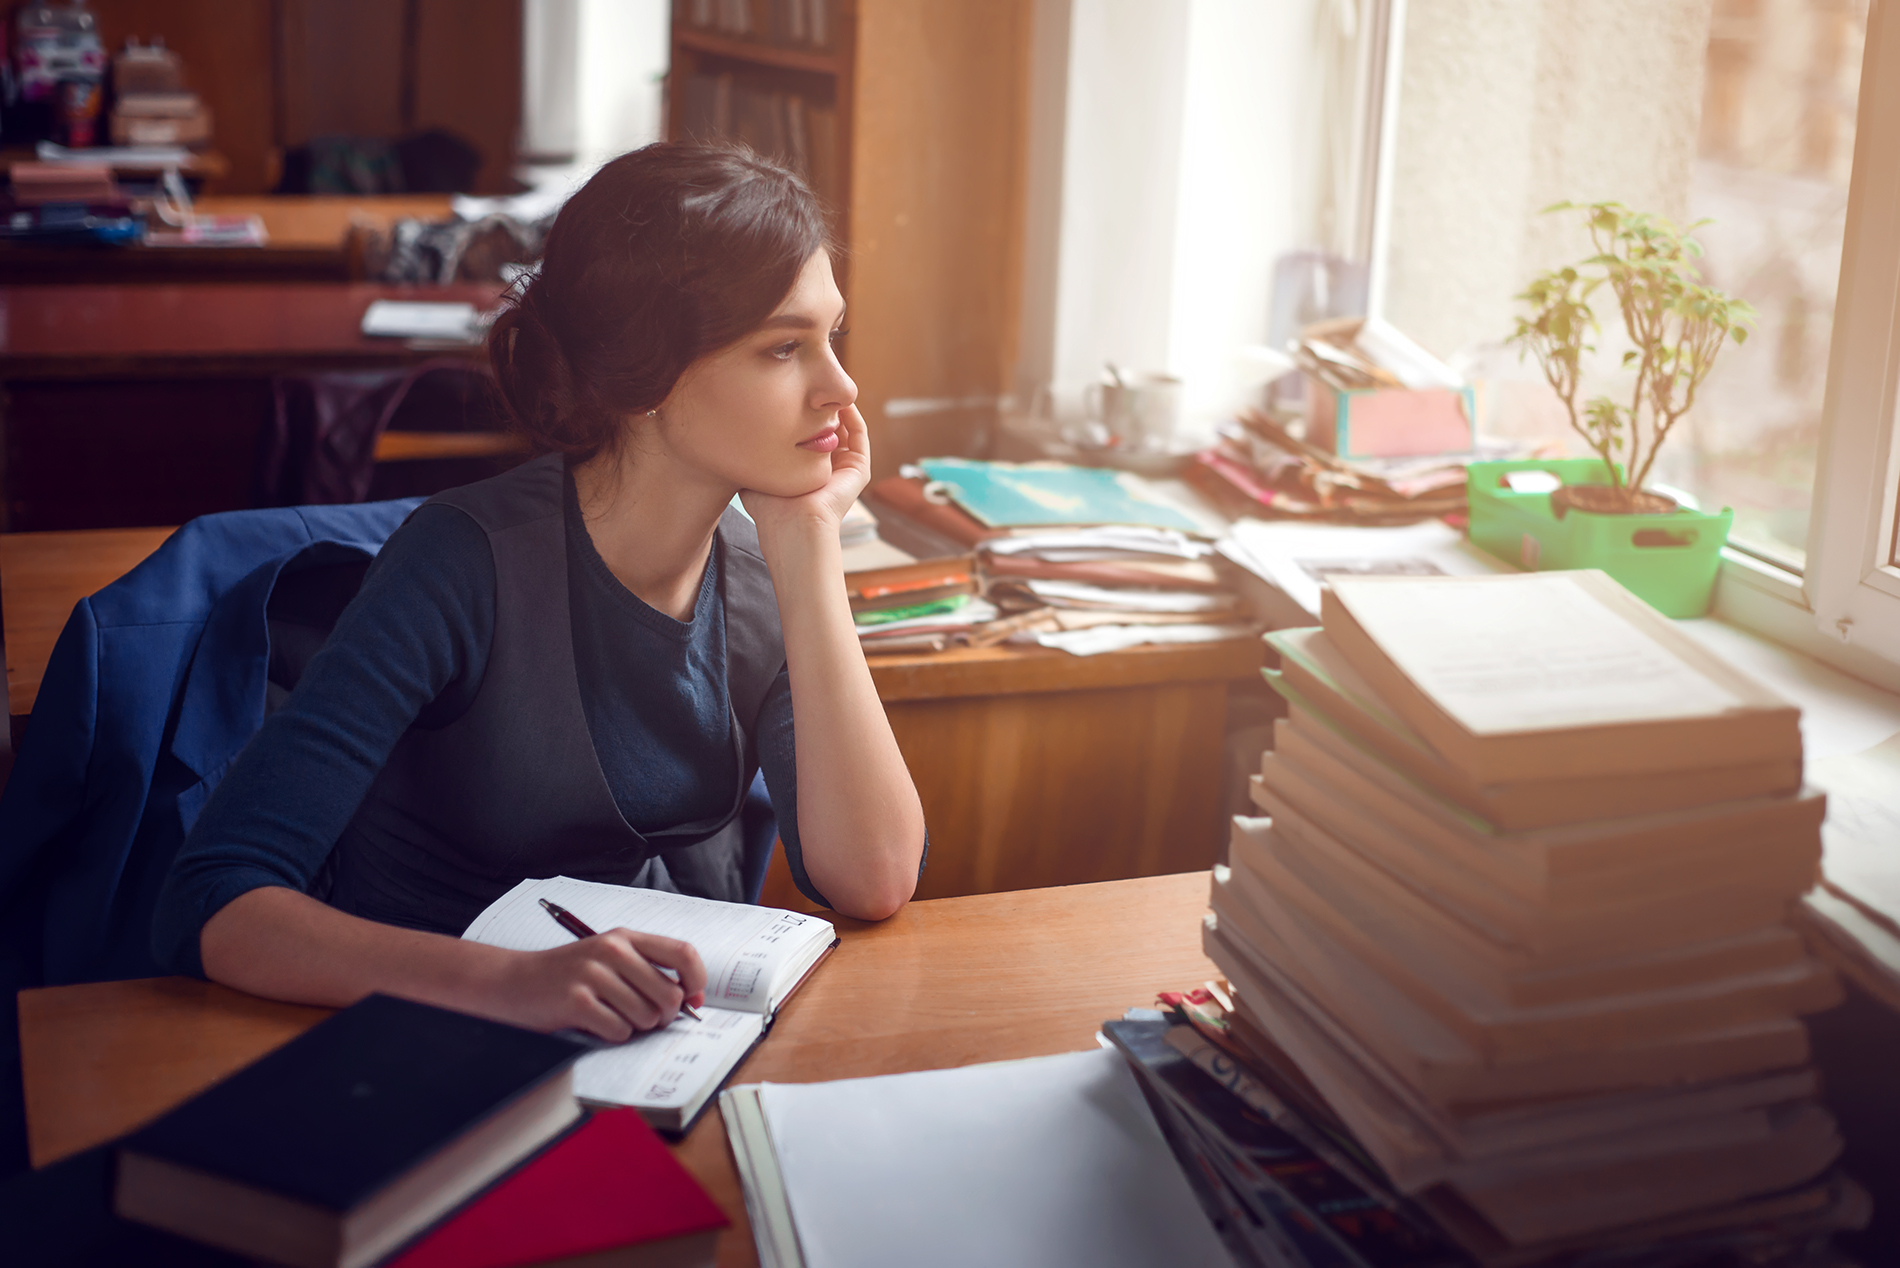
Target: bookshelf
909, 118
775, 74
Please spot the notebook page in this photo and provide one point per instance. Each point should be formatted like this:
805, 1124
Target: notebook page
1049, 1162
742, 946
666, 1068
1534, 653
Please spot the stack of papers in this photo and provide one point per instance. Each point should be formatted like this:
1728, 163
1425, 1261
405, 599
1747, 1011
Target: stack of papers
1295, 560
1094, 589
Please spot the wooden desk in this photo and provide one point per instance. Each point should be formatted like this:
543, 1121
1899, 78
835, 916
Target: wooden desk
310, 241
945, 983
129, 405
1038, 768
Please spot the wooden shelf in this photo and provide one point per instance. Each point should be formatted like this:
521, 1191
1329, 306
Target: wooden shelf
760, 54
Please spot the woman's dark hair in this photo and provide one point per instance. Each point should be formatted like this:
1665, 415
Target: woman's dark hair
666, 254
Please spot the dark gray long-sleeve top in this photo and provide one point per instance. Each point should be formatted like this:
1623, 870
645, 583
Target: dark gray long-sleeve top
410, 651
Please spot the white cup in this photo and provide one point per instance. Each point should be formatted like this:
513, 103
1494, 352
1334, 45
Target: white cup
1139, 413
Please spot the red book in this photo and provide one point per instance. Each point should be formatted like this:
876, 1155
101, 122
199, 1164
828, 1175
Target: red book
607, 1193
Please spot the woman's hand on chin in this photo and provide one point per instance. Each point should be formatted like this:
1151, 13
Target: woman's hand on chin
826, 505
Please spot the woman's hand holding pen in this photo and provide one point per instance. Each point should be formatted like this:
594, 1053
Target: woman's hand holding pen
611, 985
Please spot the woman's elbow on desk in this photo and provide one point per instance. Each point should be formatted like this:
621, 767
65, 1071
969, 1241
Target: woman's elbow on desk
876, 904
869, 884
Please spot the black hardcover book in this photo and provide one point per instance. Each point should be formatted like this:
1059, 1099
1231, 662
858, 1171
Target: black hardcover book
345, 1142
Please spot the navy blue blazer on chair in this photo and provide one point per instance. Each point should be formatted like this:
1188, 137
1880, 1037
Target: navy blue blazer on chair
156, 684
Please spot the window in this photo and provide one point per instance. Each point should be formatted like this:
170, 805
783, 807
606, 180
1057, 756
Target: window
1780, 119
1742, 113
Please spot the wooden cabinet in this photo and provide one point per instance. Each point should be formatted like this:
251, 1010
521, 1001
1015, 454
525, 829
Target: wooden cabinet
929, 103
277, 73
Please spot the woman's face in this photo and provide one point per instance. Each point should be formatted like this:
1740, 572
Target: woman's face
763, 413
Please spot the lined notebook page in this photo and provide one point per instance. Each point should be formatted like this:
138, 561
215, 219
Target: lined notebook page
1526, 653
664, 1069
740, 945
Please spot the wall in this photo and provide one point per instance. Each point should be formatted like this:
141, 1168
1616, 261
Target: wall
1121, 181
1249, 166
592, 82
1188, 142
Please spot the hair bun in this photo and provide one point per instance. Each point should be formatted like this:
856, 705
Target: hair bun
663, 256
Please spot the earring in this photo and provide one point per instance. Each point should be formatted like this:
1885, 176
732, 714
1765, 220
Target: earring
653, 413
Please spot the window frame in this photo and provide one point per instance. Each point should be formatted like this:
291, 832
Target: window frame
1851, 583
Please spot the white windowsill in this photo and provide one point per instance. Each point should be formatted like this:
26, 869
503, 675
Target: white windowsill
1849, 699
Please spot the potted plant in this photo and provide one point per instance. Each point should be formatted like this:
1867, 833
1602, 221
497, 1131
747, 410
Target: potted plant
1596, 517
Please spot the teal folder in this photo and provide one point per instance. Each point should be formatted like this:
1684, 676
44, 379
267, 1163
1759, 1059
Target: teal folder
1019, 495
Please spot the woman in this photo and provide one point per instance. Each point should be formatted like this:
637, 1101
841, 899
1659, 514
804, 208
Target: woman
575, 668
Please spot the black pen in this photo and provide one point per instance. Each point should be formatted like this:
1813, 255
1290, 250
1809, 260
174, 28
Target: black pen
578, 927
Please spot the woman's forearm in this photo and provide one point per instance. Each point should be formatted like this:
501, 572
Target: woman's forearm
860, 825
283, 944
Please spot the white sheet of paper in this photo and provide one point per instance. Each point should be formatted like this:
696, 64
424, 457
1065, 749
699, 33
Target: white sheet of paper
1048, 1162
1294, 556
1129, 598
1536, 653
1097, 639
1860, 841
403, 319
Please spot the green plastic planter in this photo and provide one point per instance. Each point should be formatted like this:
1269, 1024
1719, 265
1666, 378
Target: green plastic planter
1669, 560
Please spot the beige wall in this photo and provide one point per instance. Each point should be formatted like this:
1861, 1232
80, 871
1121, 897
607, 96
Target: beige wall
1533, 102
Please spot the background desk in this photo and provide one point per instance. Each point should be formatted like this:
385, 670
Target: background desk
1038, 768
940, 984
312, 238
128, 405
1035, 767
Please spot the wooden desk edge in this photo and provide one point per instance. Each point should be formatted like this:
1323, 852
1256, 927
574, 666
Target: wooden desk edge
1012, 670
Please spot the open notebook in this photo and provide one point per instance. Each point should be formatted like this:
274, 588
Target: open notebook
755, 957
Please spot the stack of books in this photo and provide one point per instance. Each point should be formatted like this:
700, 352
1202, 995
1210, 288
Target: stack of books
782, 23
1518, 913
402, 1134
787, 127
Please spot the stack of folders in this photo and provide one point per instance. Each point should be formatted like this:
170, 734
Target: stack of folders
922, 606
1518, 910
